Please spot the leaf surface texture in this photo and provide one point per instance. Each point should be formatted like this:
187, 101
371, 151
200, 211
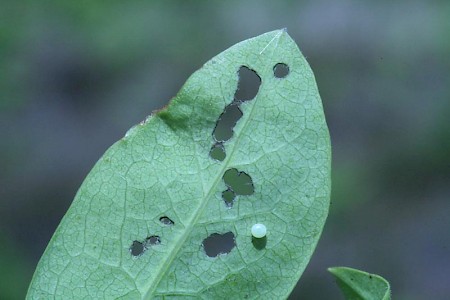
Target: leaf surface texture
137, 226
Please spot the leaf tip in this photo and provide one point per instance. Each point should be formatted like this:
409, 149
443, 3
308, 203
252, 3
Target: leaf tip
333, 270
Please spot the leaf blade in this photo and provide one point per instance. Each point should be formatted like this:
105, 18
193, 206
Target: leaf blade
356, 284
161, 167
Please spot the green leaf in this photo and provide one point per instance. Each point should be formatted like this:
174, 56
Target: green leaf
359, 285
140, 222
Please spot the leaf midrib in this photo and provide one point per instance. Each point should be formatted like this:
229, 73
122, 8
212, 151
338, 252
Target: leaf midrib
199, 211
196, 215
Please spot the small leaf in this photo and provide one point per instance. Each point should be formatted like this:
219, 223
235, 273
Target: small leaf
226, 153
359, 285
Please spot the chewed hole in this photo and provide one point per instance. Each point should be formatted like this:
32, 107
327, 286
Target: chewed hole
166, 221
247, 89
224, 127
248, 85
240, 182
280, 70
153, 240
137, 248
228, 197
217, 244
217, 152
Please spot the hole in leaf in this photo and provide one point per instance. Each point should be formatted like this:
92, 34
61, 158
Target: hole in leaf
248, 85
166, 221
280, 70
259, 244
224, 127
240, 182
217, 244
153, 240
247, 89
217, 152
137, 248
228, 197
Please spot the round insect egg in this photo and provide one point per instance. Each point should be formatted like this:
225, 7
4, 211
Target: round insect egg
259, 230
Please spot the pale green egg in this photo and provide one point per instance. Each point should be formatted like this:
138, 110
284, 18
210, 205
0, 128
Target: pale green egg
259, 230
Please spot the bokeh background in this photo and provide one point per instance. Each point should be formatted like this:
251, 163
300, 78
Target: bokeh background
75, 75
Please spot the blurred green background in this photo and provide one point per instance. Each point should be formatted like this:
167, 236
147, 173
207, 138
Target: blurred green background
75, 75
